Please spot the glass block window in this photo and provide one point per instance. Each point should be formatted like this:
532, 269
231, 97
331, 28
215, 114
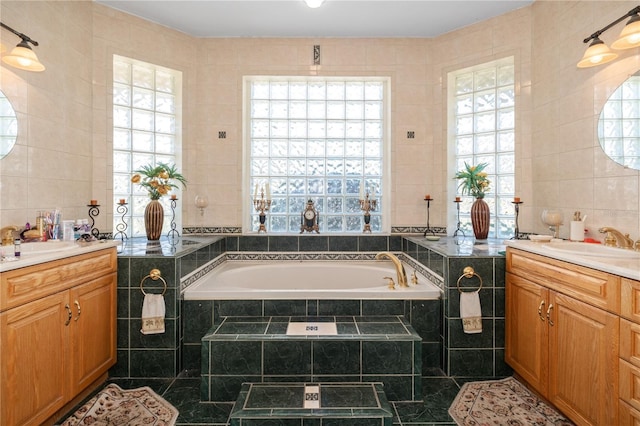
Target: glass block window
619, 124
147, 108
320, 139
482, 130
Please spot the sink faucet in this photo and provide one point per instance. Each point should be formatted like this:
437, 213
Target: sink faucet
7, 234
402, 274
616, 238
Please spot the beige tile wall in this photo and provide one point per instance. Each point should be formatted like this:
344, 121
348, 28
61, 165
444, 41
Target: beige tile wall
63, 154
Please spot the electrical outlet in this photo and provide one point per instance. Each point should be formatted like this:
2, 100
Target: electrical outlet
411, 135
222, 135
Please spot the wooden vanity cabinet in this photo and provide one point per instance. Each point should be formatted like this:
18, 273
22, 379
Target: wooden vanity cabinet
562, 333
629, 367
56, 345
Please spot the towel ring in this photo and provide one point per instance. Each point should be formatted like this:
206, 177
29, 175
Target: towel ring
468, 272
154, 274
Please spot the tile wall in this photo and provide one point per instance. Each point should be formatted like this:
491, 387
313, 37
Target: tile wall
65, 114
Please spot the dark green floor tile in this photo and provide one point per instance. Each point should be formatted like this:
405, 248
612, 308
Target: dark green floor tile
184, 394
438, 394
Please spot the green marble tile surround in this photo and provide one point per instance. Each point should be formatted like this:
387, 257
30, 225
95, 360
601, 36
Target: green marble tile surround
382, 349
340, 404
437, 322
468, 356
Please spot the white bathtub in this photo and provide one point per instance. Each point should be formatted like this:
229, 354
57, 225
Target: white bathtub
237, 280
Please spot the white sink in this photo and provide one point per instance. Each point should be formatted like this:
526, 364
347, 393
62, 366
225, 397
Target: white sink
46, 247
595, 250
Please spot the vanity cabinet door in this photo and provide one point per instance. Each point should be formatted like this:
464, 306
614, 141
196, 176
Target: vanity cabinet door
583, 361
526, 331
34, 355
93, 338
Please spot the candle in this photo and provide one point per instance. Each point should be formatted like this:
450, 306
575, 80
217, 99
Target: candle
457, 199
255, 192
93, 202
516, 199
373, 192
268, 191
362, 192
174, 197
427, 197
123, 201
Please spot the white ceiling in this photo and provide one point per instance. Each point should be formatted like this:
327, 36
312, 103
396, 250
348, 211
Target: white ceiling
335, 18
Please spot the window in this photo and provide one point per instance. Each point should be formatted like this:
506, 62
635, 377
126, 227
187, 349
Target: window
146, 130
482, 130
316, 138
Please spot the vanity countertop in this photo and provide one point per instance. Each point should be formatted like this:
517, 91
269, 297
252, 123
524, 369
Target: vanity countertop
624, 267
49, 251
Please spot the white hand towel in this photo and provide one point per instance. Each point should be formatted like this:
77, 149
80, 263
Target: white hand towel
153, 311
470, 312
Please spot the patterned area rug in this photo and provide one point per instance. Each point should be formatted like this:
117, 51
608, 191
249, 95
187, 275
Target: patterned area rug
115, 406
502, 402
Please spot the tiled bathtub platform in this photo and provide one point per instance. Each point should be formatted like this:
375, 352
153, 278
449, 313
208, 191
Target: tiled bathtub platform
312, 404
382, 349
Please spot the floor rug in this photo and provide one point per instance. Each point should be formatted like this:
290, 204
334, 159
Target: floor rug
502, 402
115, 406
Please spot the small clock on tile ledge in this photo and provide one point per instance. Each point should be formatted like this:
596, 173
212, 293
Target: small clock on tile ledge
309, 218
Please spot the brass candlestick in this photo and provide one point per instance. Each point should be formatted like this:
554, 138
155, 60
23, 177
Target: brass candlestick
262, 205
367, 205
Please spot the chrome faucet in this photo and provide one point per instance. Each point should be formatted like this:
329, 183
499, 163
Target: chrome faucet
615, 238
402, 274
7, 234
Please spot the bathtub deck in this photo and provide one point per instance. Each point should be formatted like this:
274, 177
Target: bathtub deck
382, 349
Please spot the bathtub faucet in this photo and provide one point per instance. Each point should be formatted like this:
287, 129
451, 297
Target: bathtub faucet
402, 275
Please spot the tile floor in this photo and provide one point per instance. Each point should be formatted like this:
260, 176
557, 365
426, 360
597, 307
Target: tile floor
183, 392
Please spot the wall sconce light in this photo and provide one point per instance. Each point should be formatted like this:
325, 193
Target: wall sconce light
22, 56
313, 4
598, 53
202, 202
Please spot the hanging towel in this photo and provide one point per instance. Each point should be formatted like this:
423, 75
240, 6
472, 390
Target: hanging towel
153, 314
470, 312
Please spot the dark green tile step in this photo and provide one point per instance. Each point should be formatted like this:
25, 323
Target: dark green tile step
317, 404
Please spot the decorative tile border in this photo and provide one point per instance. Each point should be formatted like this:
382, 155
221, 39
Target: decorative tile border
237, 230
189, 279
198, 230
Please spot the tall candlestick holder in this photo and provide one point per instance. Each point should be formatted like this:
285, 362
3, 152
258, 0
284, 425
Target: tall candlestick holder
94, 211
428, 199
516, 206
122, 226
458, 234
262, 205
173, 233
367, 205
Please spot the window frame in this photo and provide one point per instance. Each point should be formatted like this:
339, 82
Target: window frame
493, 198
384, 209
135, 194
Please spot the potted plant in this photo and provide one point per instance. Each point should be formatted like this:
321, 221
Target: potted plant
158, 180
474, 182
